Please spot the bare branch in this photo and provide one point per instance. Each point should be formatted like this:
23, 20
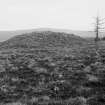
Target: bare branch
101, 23
102, 19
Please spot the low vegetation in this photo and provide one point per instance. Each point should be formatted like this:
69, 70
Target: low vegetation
52, 76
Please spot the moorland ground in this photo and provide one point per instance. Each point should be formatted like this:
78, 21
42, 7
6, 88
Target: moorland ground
51, 68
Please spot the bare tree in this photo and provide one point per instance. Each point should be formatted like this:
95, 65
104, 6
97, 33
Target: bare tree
98, 29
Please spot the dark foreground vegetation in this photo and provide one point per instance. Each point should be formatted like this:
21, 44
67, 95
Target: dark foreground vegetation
53, 77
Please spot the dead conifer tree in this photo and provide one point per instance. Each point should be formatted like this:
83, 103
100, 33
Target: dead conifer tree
98, 29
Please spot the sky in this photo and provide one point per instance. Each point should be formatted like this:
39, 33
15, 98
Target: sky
61, 14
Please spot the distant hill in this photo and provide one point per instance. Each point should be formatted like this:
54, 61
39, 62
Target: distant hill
45, 39
4, 35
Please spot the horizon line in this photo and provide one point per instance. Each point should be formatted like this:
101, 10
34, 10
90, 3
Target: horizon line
9, 30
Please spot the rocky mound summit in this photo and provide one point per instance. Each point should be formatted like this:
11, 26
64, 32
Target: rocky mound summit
44, 39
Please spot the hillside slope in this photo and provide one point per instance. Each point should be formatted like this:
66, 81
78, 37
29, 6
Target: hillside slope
5, 35
44, 76
43, 40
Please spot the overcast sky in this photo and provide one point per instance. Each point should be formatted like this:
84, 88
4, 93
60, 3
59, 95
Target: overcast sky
65, 14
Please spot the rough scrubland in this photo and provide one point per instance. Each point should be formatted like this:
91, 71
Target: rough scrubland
51, 68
